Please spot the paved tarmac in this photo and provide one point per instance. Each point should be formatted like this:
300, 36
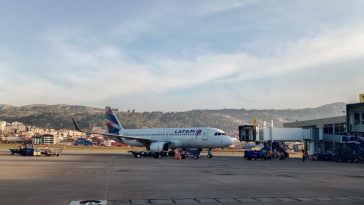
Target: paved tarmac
121, 179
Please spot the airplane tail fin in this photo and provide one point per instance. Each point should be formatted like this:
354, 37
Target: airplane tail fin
113, 124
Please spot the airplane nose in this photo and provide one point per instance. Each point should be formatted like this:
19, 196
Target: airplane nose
228, 141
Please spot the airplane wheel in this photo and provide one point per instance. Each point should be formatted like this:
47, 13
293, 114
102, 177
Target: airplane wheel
183, 156
156, 155
209, 156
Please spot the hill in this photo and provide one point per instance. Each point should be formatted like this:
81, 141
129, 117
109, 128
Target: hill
59, 116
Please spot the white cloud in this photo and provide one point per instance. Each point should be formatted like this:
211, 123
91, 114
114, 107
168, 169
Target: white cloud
82, 69
327, 48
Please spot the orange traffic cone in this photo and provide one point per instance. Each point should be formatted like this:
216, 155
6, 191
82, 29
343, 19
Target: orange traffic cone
177, 155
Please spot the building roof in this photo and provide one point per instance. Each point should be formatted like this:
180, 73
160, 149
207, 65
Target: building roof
355, 105
316, 122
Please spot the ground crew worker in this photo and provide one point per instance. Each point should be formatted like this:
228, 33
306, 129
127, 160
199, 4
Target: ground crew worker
270, 155
282, 155
303, 155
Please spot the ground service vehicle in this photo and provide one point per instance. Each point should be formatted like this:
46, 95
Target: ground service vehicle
26, 149
256, 154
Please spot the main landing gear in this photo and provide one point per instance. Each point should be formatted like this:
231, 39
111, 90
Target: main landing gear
209, 153
182, 153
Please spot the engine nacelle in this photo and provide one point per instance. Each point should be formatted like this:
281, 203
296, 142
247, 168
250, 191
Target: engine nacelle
158, 146
175, 144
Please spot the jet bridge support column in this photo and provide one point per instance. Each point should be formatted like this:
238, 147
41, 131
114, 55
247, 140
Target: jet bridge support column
305, 148
311, 147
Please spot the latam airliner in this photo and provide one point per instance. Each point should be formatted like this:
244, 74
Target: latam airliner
159, 140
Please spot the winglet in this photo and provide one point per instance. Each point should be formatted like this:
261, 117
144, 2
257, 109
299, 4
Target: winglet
76, 126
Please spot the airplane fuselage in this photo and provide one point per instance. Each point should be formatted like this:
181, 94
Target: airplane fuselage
160, 140
193, 137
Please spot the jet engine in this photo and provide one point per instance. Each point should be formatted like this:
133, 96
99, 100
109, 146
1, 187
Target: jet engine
158, 146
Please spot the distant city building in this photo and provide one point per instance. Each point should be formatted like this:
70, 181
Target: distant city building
16, 123
13, 139
20, 127
46, 139
17, 132
107, 143
75, 134
2, 125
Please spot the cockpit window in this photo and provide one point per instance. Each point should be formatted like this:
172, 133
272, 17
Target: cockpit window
219, 133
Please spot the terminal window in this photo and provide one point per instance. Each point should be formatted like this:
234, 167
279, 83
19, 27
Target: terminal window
328, 129
356, 118
340, 129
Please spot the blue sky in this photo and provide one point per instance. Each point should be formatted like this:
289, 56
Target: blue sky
181, 55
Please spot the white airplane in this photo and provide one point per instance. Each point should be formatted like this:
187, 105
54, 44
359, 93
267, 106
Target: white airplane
161, 140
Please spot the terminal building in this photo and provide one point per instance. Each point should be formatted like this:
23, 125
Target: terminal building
46, 139
335, 134
321, 135
355, 118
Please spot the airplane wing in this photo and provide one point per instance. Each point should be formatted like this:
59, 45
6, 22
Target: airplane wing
113, 136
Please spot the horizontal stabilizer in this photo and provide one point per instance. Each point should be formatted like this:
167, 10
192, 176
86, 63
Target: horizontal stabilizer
117, 137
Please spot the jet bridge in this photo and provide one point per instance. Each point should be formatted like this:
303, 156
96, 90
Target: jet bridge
282, 134
247, 133
253, 133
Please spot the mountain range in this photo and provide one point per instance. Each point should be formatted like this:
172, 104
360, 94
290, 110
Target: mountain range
59, 116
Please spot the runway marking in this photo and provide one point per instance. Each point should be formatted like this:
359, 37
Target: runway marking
286, 199
140, 201
161, 201
185, 201
266, 199
108, 178
237, 200
89, 202
304, 199
207, 200
227, 200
